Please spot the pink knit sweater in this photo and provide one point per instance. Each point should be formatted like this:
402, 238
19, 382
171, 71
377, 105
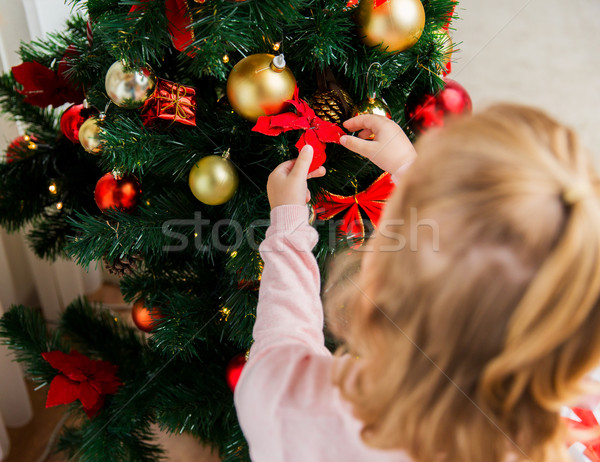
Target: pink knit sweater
286, 403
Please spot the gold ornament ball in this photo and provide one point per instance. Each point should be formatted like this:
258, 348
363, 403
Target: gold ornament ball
259, 85
128, 89
89, 135
213, 180
396, 25
374, 106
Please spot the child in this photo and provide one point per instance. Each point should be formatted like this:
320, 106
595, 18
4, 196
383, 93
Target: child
465, 336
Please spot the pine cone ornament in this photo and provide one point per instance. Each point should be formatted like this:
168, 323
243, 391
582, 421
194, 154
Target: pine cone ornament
121, 266
328, 105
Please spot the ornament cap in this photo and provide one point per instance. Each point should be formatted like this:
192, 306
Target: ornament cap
278, 64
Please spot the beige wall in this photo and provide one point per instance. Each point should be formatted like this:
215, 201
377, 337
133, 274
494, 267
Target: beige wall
540, 52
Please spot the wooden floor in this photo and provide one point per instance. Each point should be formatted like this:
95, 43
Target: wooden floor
31, 443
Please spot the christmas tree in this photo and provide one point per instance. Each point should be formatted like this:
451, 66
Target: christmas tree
160, 174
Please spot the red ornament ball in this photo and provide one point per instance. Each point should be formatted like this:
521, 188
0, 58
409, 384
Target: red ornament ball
234, 370
431, 110
145, 319
71, 120
120, 192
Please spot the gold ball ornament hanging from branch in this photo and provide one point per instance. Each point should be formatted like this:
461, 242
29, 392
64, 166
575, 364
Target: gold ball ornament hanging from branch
260, 85
374, 105
129, 89
213, 179
89, 135
395, 25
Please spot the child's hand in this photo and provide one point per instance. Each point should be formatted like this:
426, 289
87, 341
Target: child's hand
390, 148
287, 183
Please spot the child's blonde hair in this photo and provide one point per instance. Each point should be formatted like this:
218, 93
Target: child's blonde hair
467, 353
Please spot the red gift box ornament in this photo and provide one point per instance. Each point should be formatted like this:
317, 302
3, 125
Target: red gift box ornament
370, 201
171, 101
317, 131
81, 378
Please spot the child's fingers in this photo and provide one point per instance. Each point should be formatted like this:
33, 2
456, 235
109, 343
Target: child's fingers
317, 173
284, 168
307, 196
303, 162
360, 122
362, 147
366, 134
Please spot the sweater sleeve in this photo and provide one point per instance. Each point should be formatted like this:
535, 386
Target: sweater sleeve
288, 369
289, 303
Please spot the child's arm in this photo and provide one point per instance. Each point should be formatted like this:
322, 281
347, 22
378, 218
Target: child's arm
287, 372
390, 149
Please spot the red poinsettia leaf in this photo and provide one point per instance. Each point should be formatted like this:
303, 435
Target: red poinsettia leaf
62, 391
43, 87
65, 364
319, 157
378, 3
328, 132
91, 412
263, 125
180, 21
86, 365
287, 121
39, 83
105, 379
88, 395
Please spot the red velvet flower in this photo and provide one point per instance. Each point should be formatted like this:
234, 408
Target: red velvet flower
81, 378
317, 131
43, 87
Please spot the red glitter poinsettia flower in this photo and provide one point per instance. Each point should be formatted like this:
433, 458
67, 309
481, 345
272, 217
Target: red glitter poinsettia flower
316, 131
81, 378
43, 87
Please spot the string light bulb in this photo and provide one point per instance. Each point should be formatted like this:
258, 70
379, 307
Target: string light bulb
276, 46
225, 58
52, 188
59, 206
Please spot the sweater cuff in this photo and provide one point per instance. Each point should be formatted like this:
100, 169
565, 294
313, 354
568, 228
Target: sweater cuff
288, 217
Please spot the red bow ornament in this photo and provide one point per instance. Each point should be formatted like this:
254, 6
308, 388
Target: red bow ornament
170, 101
81, 378
316, 131
586, 421
370, 201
